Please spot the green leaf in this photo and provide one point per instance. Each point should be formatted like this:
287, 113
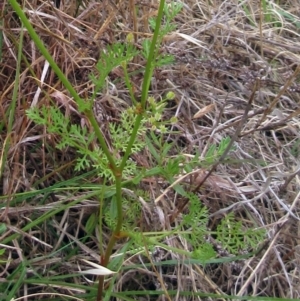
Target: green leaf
91, 223
166, 148
146, 47
164, 60
234, 238
110, 58
3, 229
204, 252
172, 9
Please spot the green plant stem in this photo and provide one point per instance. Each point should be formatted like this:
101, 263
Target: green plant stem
116, 232
140, 108
83, 106
12, 107
115, 235
81, 103
146, 83
16, 85
151, 57
128, 83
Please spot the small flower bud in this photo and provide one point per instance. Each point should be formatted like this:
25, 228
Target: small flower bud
170, 95
151, 100
174, 120
130, 38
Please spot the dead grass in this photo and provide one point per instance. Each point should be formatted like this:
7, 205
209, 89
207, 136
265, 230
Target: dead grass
225, 52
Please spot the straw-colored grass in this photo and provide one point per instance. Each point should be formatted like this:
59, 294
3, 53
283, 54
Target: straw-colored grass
237, 67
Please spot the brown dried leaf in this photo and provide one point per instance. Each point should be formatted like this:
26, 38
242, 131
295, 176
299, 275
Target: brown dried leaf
204, 111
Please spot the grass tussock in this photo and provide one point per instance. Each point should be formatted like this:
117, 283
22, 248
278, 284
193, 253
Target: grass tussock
236, 74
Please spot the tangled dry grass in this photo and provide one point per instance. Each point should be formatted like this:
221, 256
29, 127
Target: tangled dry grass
227, 54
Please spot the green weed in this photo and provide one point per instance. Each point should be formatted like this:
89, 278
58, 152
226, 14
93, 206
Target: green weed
145, 127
